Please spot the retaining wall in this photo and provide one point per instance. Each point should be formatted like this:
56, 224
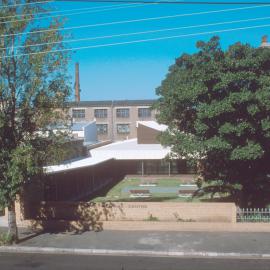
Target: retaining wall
134, 211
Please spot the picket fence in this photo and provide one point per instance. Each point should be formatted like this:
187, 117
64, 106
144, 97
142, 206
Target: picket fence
253, 215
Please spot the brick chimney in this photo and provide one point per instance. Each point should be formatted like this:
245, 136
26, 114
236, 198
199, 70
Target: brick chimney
77, 83
264, 41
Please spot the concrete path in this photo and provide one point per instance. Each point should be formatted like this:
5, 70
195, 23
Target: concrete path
202, 244
156, 241
193, 243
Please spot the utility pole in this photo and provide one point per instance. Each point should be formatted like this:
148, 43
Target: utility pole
77, 83
112, 121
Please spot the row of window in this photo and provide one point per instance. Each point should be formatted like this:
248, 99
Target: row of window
121, 128
120, 113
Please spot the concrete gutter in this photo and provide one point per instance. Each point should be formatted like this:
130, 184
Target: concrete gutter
144, 253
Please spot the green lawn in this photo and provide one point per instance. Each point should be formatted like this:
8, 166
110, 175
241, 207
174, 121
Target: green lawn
116, 194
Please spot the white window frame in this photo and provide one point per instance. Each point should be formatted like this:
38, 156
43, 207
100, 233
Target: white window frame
107, 128
145, 116
99, 108
78, 109
117, 130
123, 108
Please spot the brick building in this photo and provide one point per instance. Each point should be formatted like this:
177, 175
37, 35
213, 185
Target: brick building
115, 120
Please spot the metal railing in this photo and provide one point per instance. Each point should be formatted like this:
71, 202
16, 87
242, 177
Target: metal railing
253, 215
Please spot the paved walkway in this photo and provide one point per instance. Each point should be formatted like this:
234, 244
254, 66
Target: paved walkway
160, 190
156, 241
194, 241
148, 243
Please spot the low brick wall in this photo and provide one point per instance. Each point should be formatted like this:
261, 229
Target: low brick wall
134, 211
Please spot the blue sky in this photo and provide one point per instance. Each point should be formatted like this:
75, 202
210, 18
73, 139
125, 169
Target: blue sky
134, 71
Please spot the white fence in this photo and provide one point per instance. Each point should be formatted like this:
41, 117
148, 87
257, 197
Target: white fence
253, 214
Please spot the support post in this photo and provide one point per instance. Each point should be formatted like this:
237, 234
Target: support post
142, 168
169, 165
56, 190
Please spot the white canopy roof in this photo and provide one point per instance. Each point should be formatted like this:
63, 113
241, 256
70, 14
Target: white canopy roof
131, 150
124, 150
81, 163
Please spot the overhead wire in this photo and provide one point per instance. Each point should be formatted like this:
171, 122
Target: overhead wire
137, 33
135, 41
69, 14
176, 2
132, 21
68, 10
26, 4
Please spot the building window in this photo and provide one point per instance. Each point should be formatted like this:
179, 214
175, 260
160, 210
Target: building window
122, 113
78, 113
123, 128
102, 129
101, 113
144, 112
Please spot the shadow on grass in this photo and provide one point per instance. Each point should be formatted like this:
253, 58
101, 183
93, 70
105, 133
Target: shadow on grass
103, 192
149, 199
217, 200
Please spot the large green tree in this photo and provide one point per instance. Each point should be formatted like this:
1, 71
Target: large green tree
217, 105
33, 89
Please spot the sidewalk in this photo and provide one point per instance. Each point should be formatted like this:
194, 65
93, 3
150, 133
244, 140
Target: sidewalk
202, 244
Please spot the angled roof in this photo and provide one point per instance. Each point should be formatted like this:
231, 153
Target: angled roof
79, 126
131, 150
72, 165
124, 150
153, 125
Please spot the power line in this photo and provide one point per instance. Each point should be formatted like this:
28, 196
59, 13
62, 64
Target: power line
176, 2
133, 21
26, 4
67, 10
137, 41
136, 33
72, 14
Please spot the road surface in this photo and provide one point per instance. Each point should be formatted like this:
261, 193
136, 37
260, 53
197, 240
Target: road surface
74, 262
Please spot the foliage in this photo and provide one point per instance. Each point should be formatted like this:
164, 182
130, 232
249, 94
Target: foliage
152, 218
2, 211
217, 105
5, 239
33, 90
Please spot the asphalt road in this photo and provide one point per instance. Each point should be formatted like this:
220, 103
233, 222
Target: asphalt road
66, 262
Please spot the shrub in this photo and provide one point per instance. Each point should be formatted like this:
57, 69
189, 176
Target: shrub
5, 239
152, 218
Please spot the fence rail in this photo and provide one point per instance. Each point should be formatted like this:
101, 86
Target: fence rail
253, 215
